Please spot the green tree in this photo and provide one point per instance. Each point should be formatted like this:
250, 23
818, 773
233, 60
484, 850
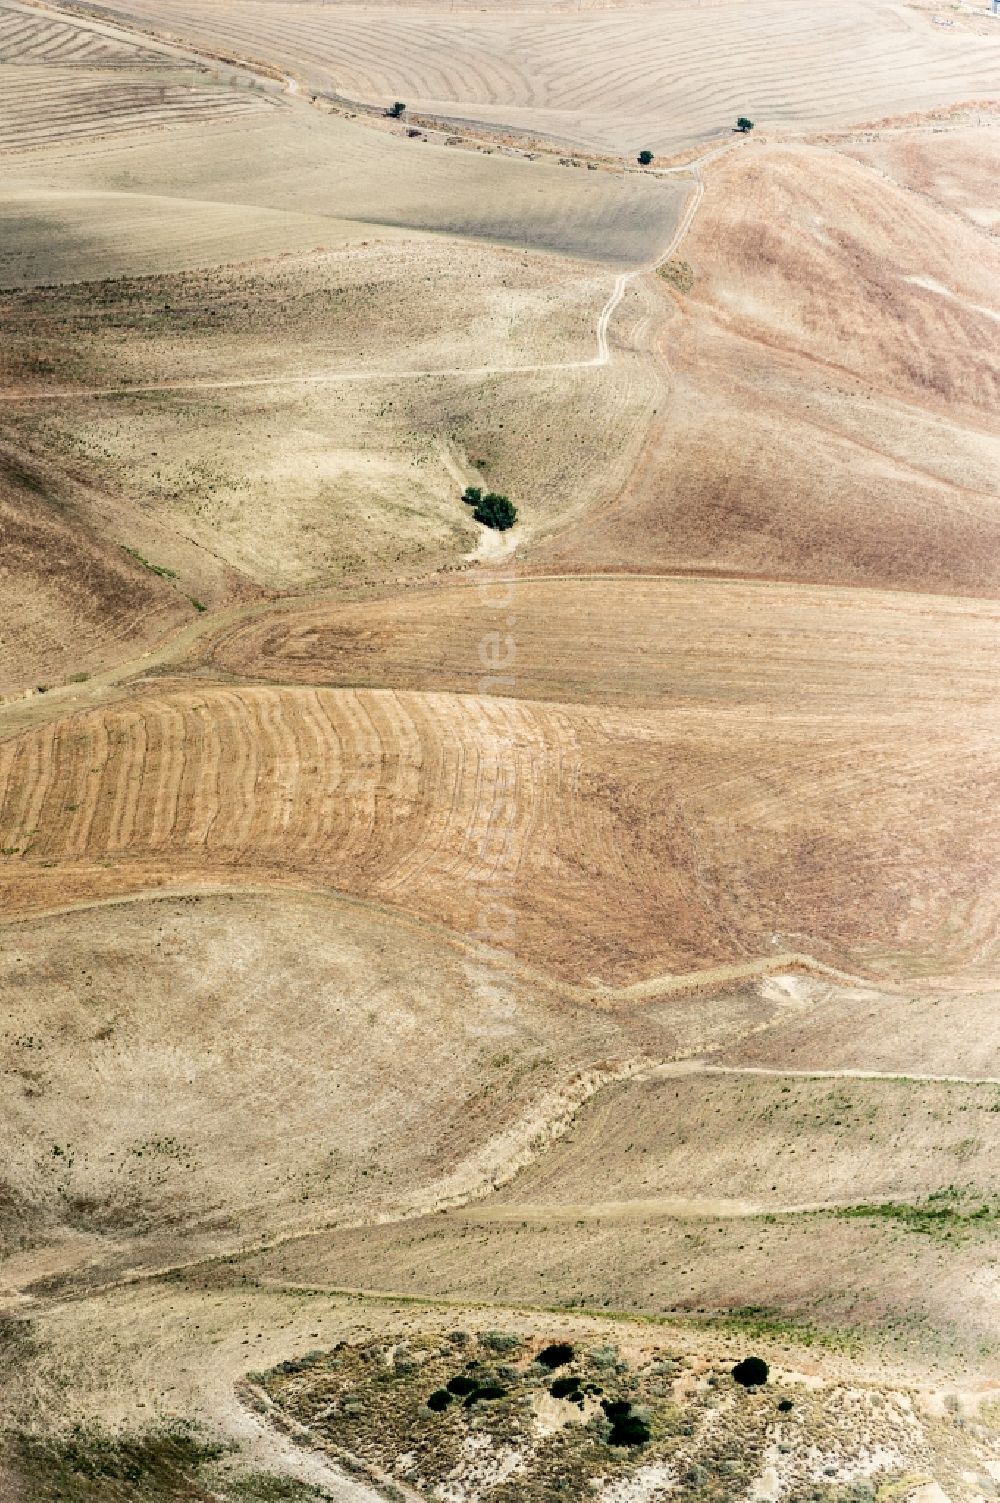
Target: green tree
645, 158
744, 125
496, 512
397, 110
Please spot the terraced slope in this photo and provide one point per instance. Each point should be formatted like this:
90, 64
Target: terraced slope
621, 844
679, 75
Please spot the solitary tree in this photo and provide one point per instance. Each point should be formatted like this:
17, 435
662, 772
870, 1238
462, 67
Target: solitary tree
645, 157
396, 110
744, 125
495, 511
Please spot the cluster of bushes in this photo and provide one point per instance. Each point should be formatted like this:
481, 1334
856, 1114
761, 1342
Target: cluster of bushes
467, 1388
491, 509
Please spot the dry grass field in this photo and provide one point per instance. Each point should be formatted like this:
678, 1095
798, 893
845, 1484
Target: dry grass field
420, 945
286, 177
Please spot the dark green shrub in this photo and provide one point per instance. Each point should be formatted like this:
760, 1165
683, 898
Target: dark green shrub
496, 512
645, 158
397, 110
751, 1372
487, 1391
555, 1355
462, 1384
565, 1388
628, 1426
472, 495
744, 125
439, 1399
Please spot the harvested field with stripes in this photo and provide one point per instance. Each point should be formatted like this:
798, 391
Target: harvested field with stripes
41, 109
625, 844
729, 644
286, 177
34, 38
614, 79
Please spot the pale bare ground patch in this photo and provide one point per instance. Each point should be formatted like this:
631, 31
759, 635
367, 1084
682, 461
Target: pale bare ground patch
680, 74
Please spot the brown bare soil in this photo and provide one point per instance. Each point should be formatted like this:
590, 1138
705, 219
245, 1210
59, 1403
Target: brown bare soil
71, 598
954, 168
670, 642
830, 414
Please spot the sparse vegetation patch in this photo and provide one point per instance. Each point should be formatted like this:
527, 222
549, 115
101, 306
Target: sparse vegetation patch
678, 274
447, 1428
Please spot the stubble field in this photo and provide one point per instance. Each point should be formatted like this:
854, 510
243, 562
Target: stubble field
617, 79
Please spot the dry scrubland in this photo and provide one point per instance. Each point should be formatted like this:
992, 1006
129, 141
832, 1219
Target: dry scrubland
283, 375
275, 1074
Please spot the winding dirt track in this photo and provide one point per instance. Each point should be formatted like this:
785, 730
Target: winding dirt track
600, 359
